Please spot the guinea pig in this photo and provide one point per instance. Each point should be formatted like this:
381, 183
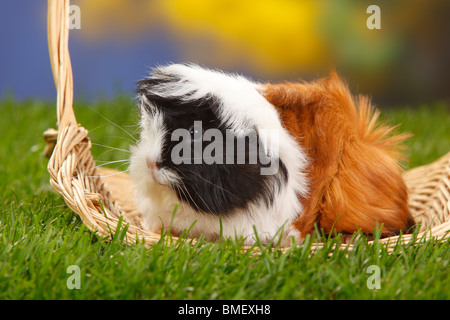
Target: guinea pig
243, 159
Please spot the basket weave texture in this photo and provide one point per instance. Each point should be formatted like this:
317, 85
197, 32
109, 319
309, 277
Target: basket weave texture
103, 198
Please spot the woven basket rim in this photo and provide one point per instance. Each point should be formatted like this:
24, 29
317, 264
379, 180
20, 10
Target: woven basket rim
89, 196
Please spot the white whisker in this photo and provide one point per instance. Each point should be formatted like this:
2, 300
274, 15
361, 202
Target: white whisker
187, 191
111, 148
123, 138
109, 162
215, 185
114, 124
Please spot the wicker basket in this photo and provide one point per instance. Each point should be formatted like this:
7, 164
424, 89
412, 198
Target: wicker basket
104, 201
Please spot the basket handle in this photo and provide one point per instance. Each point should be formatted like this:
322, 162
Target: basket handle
58, 45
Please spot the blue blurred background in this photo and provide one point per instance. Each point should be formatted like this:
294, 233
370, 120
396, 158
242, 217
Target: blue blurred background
406, 62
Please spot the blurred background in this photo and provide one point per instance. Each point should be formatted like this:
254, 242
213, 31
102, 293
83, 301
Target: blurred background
406, 62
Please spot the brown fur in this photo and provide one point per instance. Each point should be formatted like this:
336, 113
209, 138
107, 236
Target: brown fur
355, 178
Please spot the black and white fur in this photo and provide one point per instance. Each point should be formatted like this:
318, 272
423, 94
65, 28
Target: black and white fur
236, 195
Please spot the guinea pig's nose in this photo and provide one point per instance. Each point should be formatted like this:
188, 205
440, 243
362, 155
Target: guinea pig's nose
151, 164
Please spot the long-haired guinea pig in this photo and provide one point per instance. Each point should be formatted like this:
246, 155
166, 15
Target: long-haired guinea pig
278, 160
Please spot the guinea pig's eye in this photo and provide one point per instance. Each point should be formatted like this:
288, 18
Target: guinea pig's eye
196, 133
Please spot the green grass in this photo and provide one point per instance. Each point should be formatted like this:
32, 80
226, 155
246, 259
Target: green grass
40, 237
